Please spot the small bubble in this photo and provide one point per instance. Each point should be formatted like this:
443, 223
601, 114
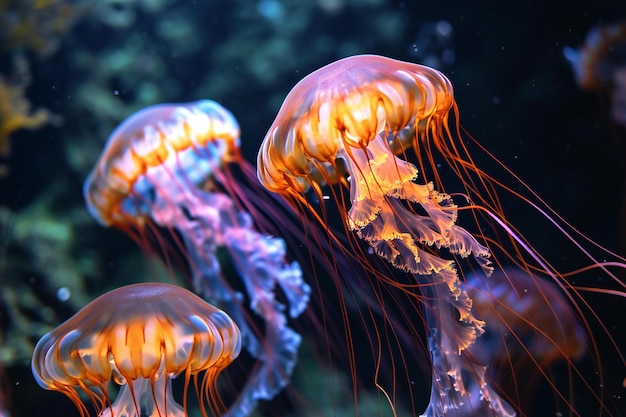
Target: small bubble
448, 56
63, 294
443, 28
270, 9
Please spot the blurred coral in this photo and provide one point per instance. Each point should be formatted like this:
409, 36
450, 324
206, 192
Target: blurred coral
15, 109
31, 276
36, 25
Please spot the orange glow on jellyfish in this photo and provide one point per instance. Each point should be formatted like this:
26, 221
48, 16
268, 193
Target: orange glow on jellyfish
140, 337
374, 135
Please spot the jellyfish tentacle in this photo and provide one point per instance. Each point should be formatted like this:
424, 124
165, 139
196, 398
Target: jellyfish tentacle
459, 385
124, 404
396, 233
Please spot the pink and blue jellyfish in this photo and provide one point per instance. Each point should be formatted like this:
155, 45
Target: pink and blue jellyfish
166, 168
375, 136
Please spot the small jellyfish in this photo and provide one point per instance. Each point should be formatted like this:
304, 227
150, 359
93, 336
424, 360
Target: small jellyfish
600, 67
528, 315
140, 337
530, 326
375, 136
167, 168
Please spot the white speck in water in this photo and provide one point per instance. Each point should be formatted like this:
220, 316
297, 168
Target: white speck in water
270, 9
63, 294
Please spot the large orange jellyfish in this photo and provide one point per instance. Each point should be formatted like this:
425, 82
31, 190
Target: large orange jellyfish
167, 168
373, 134
140, 337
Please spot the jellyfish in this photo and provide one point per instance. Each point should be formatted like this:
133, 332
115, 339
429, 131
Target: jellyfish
4, 394
531, 326
599, 67
140, 337
514, 299
375, 136
167, 168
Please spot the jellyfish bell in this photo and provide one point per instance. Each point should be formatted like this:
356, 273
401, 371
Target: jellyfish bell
374, 135
141, 337
339, 111
187, 141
